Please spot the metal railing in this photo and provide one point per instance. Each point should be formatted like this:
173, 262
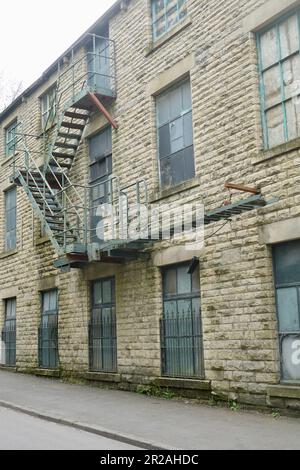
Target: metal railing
181, 345
8, 337
103, 345
48, 343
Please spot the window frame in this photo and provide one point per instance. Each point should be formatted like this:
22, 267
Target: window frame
49, 95
183, 113
10, 141
48, 323
154, 19
261, 70
9, 246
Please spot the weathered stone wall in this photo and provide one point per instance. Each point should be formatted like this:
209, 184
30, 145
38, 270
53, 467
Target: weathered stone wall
238, 306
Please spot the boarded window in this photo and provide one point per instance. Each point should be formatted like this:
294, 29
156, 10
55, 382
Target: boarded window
287, 282
279, 67
166, 14
11, 219
175, 135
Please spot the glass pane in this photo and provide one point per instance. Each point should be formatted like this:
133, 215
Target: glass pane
163, 109
100, 145
159, 7
46, 301
183, 280
178, 168
287, 262
186, 96
196, 306
269, 48
170, 287
166, 172
172, 17
182, 9
107, 292
175, 99
159, 27
275, 125
53, 300
170, 309
188, 129
164, 141
184, 308
189, 163
289, 36
288, 309
290, 350
196, 280
176, 135
272, 86
97, 290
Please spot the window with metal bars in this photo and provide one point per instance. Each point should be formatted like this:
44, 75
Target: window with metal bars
9, 334
166, 14
48, 330
279, 70
287, 283
181, 329
102, 327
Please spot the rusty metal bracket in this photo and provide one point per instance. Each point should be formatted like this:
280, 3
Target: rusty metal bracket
240, 187
95, 100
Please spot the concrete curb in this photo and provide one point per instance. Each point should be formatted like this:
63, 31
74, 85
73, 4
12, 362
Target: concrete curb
116, 436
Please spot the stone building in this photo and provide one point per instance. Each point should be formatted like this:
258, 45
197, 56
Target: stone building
159, 102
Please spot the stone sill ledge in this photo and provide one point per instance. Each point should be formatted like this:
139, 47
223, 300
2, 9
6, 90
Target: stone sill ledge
165, 193
284, 391
7, 254
8, 369
277, 151
46, 372
153, 46
102, 377
42, 241
190, 384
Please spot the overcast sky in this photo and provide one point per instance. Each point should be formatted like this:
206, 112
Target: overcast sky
34, 33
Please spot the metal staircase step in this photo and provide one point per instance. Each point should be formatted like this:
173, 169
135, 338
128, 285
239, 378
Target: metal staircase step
73, 125
62, 155
65, 145
65, 135
75, 115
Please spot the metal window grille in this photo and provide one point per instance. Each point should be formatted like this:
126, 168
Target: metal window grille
102, 328
48, 331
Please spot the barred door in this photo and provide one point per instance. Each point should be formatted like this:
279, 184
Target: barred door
181, 331
48, 331
9, 333
102, 328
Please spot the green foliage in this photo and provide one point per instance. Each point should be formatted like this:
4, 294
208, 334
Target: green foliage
153, 391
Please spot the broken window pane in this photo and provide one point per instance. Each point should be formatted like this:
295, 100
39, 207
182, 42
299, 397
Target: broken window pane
269, 48
291, 74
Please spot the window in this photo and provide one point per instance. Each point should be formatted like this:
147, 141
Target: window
100, 151
11, 219
9, 333
181, 331
48, 330
166, 14
279, 68
175, 135
287, 283
10, 139
48, 107
102, 328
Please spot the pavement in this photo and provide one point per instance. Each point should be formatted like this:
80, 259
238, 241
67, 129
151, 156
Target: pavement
145, 422
19, 431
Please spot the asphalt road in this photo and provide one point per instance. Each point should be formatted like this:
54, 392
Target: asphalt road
22, 432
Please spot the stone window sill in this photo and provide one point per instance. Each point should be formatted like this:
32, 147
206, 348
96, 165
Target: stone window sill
277, 151
190, 384
165, 193
7, 254
153, 46
284, 390
9, 159
8, 368
47, 372
102, 377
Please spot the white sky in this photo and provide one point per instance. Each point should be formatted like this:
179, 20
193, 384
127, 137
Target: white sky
34, 33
